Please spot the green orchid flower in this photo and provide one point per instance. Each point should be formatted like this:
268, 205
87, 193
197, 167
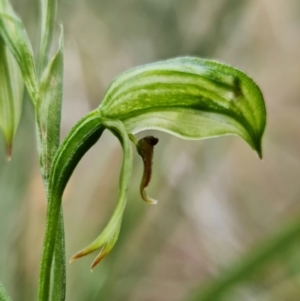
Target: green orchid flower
188, 97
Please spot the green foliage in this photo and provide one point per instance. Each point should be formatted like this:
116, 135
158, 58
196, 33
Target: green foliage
16, 39
48, 110
48, 14
11, 96
48, 116
45, 92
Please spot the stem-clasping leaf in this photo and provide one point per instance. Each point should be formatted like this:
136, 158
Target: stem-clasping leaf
48, 110
16, 39
11, 96
189, 97
48, 115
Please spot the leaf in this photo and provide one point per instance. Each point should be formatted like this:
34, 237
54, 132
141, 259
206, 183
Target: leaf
108, 237
48, 110
189, 97
11, 96
15, 37
3, 294
48, 13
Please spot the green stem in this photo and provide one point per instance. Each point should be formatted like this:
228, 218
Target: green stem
284, 238
49, 246
58, 265
58, 288
83, 135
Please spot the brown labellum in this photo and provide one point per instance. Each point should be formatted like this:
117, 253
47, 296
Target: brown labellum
145, 148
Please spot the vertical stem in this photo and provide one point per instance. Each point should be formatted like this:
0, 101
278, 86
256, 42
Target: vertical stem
58, 288
49, 146
53, 211
83, 135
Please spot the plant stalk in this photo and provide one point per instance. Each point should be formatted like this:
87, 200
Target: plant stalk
58, 287
83, 135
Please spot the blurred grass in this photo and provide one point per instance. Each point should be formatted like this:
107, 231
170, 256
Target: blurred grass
217, 201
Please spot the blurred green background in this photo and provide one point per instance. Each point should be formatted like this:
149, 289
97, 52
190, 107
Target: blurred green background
217, 200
